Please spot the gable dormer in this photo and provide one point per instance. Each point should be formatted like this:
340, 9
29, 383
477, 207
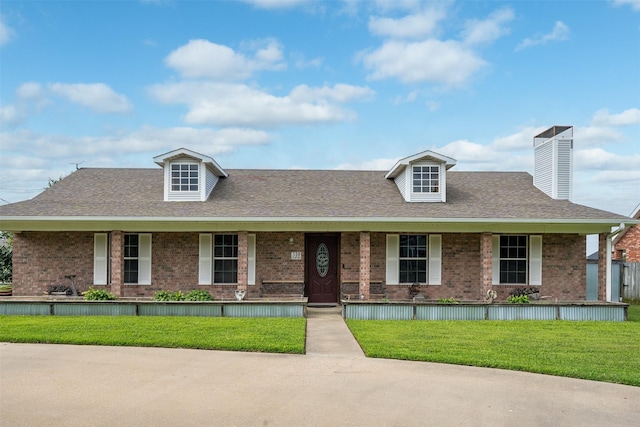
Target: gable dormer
422, 177
188, 176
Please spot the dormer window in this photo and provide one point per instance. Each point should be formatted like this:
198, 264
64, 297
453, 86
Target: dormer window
422, 177
426, 179
184, 177
188, 176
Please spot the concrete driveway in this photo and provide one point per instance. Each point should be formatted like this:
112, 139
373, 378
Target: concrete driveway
63, 385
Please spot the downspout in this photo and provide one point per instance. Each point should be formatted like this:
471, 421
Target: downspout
609, 261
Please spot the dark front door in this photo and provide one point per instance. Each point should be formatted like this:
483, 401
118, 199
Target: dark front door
322, 267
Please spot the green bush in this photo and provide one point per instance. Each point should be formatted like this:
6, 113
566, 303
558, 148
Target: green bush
519, 299
198, 295
451, 300
98, 295
168, 296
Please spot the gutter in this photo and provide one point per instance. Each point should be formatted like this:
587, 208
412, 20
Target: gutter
609, 264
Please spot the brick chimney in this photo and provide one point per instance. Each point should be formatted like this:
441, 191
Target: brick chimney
553, 169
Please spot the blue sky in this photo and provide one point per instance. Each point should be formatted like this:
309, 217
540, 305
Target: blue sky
322, 85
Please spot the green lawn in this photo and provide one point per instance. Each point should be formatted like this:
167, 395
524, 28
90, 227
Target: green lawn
281, 335
602, 351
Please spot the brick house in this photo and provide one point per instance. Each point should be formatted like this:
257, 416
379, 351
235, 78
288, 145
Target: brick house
190, 224
626, 245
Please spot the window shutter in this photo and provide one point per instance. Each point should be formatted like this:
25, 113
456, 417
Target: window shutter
100, 258
535, 260
435, 259
495, 261
251, 267
393, 262
204, 260
144, 259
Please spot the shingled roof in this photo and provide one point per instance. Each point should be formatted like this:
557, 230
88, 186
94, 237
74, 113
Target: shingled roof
299, 194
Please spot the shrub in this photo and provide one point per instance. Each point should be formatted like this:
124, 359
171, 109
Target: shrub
168, 296
519, 299
198, 295
451, 300
98, 295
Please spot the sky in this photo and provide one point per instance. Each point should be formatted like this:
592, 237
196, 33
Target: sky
343, 84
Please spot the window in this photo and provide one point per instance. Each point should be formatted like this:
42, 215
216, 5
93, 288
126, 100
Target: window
413, 258
184, 177
225, 258
137, 259
513, 259
131, 251
426, 179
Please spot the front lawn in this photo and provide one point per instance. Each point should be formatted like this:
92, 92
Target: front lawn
272, 335
601, 351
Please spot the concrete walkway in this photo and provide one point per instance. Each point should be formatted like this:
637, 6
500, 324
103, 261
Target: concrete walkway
333, 384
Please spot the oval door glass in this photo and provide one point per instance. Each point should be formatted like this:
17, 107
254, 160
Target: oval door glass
322, 260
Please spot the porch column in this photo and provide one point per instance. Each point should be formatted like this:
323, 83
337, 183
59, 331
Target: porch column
365, 264
602, 267
243, 260
486, 263
117, 261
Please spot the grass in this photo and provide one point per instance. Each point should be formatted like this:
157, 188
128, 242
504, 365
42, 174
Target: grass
272, 335
601, 351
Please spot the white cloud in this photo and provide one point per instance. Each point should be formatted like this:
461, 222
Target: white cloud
96, 96
485, 31
591, 136
634, 4
626, 118
311, 63
202, 58
6, 32
560, 32
30, 91
339, 93
418, 25
29, 159
448, 62
10, 115
147, 139
227, 104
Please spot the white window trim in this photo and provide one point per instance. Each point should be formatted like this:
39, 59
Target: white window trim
534, 261
100, 258
434, 259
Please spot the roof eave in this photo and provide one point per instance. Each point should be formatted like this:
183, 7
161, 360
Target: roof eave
386, 224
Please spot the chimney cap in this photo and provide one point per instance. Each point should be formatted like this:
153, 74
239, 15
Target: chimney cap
553, 131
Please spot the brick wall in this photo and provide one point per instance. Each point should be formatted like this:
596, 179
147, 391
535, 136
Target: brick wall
461, 271
41, 259
44, 258
273, 258
630, 243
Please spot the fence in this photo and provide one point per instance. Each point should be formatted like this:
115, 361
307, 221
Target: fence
631, 281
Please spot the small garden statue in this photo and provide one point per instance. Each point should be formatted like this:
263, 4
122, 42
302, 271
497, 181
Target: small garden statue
491, 295
240, 293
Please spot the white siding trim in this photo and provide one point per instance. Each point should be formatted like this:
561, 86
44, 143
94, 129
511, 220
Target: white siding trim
535, 260
251, 261
144, 259
393, 259
205, 263
100, 258
495, 260
435, 259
